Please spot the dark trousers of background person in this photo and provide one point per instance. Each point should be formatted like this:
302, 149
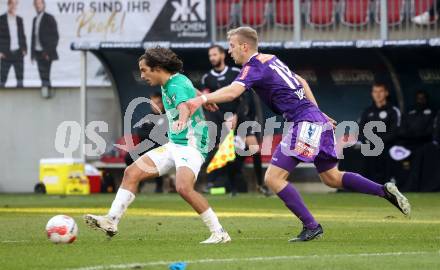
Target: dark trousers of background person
377, 168
235, 176
14, 59
434, 8
425, 174
44, 67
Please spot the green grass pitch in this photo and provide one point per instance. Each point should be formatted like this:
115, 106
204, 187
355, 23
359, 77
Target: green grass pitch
360, 232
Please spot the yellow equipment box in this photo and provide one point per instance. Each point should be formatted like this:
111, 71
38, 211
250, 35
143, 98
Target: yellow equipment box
64, 176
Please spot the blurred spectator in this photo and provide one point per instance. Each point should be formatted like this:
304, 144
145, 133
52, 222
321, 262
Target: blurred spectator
246, 113
436, 132
219, 76
13, 46
242, 109
376, 167
414, 133
417, 124
153, 128
429, 16
425, 173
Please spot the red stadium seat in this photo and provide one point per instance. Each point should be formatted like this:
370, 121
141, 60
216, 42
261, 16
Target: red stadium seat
355, 12
253, 12
395, 11
223, 14
284, 12
420, 6
320, 12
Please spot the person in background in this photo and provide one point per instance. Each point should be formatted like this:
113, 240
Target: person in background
44, 41
417, 124
13, 46
377, 167
242, 110
153, 128
219, 76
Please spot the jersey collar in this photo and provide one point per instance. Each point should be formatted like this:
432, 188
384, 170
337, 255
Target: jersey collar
171, 77
218, 74
255, 54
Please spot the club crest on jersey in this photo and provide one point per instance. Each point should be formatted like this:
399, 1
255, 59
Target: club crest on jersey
300, 93
310, 133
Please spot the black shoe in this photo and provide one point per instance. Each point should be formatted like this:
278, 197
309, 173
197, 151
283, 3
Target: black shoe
393, 195
308, 234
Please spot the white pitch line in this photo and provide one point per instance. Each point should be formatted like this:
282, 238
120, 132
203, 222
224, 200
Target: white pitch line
253, 259
14, 241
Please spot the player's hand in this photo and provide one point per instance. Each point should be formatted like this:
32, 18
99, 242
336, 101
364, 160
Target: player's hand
2, 56
210, 107
331, 120
178, 126
194, 104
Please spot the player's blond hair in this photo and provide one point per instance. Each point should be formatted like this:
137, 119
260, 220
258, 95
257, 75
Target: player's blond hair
246, 34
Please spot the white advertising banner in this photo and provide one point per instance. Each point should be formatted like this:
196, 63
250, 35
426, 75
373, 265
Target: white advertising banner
36, 35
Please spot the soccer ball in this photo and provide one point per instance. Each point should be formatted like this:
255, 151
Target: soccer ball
62, 229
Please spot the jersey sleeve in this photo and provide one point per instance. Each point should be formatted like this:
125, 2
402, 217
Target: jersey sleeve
182, 93
249, 76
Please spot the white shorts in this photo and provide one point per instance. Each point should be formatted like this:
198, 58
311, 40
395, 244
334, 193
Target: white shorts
171, 156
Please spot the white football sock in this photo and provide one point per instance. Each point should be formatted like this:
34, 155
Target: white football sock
122, 200
211, 221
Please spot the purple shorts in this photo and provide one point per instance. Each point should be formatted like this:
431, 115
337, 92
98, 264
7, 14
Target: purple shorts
307, 141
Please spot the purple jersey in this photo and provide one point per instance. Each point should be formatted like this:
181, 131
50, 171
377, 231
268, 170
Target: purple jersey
277, 86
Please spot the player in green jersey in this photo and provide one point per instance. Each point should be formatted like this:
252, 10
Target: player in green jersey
185, 152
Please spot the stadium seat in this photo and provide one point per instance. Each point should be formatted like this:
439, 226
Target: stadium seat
253, 12
320, 13
395, 12
355, 12
224, 12
420, 6
284, 12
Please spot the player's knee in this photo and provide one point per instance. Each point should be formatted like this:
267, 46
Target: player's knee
184, 190
270, 179
131, 174
333, 180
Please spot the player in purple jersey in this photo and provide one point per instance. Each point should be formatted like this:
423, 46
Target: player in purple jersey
309, 139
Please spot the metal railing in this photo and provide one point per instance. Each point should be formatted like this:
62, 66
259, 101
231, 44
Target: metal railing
306, 20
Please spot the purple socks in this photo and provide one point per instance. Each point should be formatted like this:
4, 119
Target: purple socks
358, 183
292, 199
350, 181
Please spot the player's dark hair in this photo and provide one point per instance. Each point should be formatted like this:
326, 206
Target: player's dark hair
218, 47
156, 94
422, 92
163, 58
381, 84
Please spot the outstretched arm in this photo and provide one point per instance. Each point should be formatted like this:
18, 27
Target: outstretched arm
225, 94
